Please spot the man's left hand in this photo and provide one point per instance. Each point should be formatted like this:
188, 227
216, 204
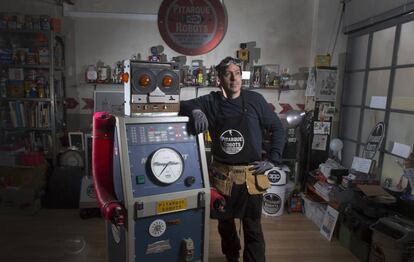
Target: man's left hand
260, 167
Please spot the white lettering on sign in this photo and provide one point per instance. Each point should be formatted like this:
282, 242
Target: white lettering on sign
185, 28
201, 10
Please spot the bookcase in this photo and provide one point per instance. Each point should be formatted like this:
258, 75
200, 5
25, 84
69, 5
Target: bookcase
32, 90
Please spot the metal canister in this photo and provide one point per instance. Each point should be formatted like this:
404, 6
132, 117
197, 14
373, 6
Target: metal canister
3, 86
31, 74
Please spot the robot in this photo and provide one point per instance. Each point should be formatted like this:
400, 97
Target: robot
150, 174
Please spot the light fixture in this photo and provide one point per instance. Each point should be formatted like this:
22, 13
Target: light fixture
294, 118
336, 146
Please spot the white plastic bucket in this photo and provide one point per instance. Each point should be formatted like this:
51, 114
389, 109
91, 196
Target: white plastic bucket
273, 201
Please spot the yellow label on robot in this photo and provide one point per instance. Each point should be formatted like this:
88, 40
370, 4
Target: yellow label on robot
171, 205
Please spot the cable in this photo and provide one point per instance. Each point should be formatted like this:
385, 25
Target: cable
333, 29
339, 26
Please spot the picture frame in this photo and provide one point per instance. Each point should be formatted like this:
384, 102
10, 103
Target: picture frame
88, 154
329, 222
111, 102
326, 85
76, 139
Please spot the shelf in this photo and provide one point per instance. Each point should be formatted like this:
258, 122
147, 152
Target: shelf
313, 191
10, 31
104, 84
27, 129
25, 66
25, 99
23, 114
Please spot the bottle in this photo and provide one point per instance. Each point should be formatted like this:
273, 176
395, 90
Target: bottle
199, 78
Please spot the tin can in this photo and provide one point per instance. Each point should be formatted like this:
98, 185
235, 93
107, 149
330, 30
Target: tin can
44, 22
31, 74
3, 87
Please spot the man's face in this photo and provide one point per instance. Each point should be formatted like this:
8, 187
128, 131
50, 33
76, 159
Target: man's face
231, 81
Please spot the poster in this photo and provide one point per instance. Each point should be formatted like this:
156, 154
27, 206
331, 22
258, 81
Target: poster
325, 85
325, 111
322, 128
329, 222
319, 142
374, 141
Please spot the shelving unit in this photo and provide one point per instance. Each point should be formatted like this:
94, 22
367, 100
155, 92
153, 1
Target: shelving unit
32, 87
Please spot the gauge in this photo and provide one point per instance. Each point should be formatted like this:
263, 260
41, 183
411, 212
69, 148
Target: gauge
167, 165
157, 228
71, 157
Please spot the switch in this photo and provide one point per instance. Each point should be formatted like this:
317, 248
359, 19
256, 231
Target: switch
187, 249
140, 180
189, 181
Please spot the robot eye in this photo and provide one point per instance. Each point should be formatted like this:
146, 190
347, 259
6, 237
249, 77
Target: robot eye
167, 81
144, 80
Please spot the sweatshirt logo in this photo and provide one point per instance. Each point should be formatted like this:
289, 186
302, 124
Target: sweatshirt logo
231, 141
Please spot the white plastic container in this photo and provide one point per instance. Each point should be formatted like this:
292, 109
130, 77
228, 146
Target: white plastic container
274, 198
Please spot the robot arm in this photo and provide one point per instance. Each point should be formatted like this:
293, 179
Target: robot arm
102, 150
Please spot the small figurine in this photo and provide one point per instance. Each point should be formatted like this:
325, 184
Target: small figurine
256, 81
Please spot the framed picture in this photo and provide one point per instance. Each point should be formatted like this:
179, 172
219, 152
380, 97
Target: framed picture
329, 222
321, 128
319, 142
109, 101
270, 74
88, 154
76, 140
326, 85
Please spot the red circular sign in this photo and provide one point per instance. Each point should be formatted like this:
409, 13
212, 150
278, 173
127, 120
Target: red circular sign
192, 27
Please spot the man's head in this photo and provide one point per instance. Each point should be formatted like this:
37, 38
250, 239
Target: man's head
230, 76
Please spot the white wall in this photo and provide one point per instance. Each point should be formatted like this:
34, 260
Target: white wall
289, 33
282, 29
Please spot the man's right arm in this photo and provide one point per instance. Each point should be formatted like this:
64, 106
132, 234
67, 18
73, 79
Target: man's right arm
196, 110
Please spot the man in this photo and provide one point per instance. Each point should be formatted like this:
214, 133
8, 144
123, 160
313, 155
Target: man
236, 120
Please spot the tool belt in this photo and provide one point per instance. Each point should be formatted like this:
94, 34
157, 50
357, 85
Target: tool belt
222, 177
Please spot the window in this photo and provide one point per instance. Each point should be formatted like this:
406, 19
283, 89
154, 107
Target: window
379, 63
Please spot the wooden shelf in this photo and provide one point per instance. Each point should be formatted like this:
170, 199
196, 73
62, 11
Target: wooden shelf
311, 190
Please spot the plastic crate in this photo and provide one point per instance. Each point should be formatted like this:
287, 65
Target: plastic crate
314, 210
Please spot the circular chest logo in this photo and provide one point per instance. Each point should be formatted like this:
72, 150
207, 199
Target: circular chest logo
192, 27
231, 141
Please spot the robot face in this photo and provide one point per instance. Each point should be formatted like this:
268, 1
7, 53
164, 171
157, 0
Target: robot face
146, 80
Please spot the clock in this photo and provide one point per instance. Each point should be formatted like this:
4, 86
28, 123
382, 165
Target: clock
157, 228
71, 157
167, 165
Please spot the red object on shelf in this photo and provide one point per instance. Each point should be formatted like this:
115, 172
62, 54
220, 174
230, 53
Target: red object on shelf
55, 25
32, 159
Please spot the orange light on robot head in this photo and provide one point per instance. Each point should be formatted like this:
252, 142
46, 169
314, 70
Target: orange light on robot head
144, 80
125, 77
167, 81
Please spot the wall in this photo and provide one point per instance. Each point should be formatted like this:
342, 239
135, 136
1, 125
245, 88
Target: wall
288, 32
282, 29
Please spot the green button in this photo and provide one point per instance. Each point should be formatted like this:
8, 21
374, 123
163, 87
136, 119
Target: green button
140, 180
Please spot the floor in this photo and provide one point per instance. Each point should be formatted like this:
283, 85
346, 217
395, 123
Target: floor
60, 235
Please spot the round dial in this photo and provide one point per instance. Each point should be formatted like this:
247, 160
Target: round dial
167, 165
157, 228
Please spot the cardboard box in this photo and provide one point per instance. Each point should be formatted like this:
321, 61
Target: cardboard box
21, 189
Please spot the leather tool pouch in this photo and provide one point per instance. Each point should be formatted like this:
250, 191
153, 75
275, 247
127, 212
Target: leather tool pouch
262, 182
222, 182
